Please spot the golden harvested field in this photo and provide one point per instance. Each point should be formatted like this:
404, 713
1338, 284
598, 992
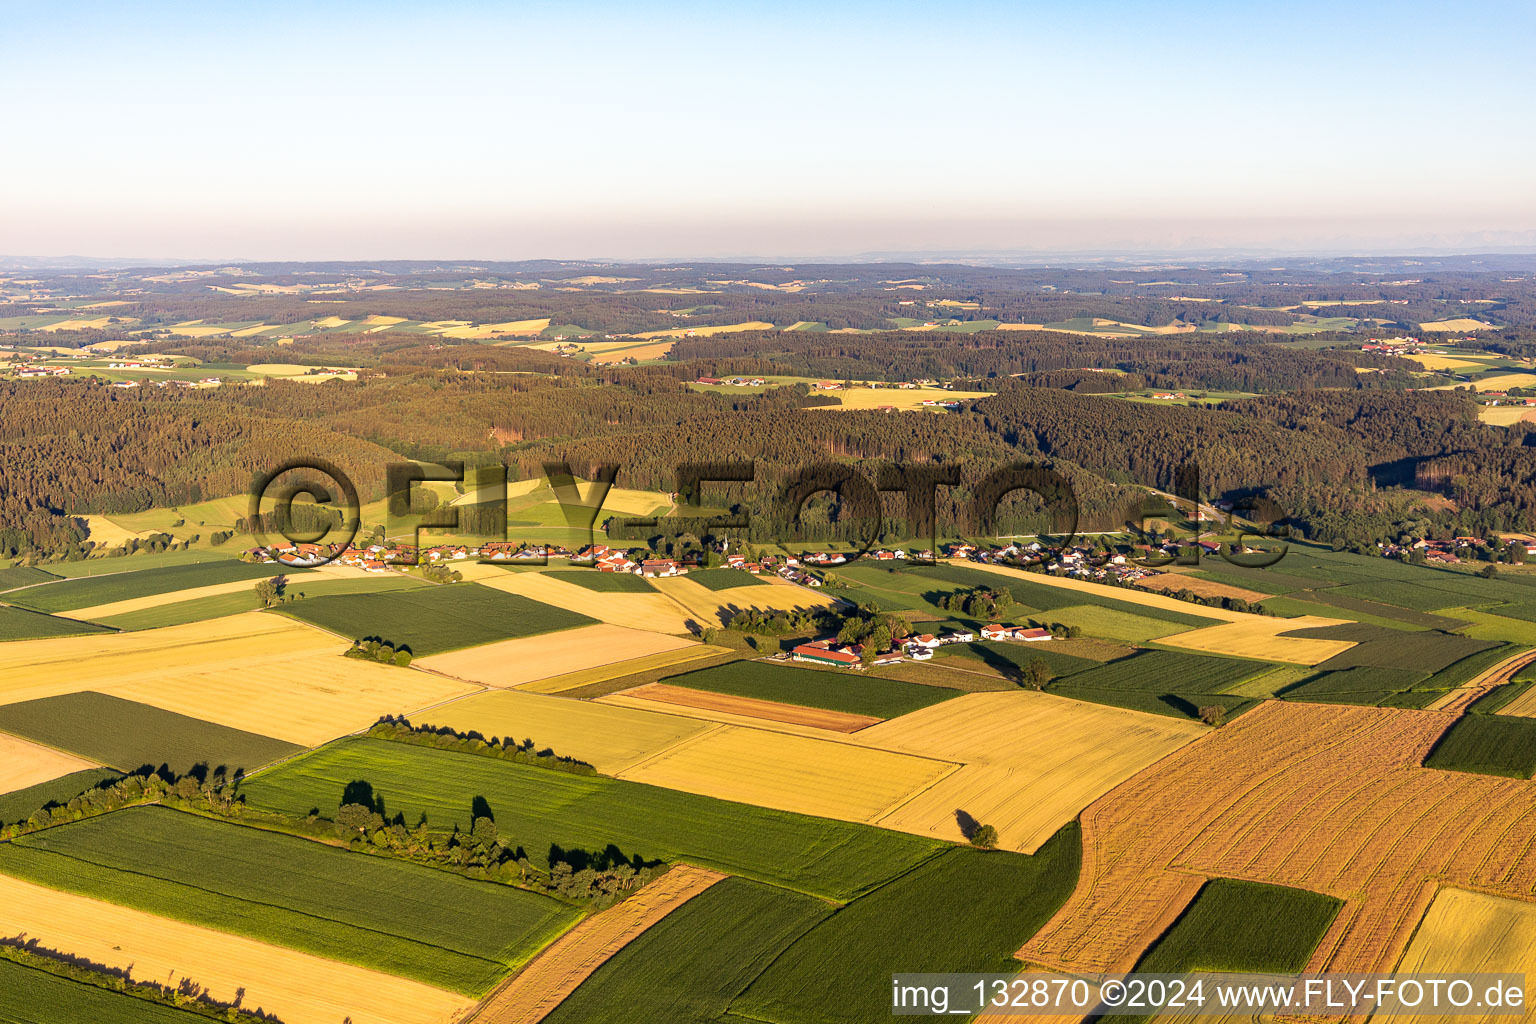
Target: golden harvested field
618, 355
296, 987
751, 707
513, 662
791, 773
1433, 361
524, 327
1197, 585
1032, 761
908, 399
714, 607
541, 986
678, 659
633, 699
1524, 706
1462, 323
1504, 415
255, 671
1473, 932
707, 332
24, 764
104, 531
655, 612
608, 738
1328, 798
1498, 382
1260, 637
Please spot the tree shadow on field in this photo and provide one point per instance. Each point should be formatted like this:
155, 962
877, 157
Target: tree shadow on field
968, 825
480, 807
610, 857
999, 664
361, 792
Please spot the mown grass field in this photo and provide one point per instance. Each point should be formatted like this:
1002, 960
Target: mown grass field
23, 576
604, 582
30, 996
725, 579
68, 595
435, 619
219, 605
539, 808
404, 919
690, 965
1488, 745
963, 911
834, 690
125, 734
19, 804
1010, 658
21, 624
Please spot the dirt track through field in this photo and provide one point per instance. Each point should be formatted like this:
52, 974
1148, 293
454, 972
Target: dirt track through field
1328, 798
752, 707
544, 984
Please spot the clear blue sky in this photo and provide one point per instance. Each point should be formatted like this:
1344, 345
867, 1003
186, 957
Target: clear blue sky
659, 129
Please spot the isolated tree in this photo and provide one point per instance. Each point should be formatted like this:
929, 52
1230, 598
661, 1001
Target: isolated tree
1213, 715
270, 591
984, 838
1037, 674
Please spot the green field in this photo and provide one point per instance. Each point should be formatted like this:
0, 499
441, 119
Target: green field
1165, 683
725, 579
21, 624
1241, 926
964, 911
1488, 745
430, 620
21, 576
29, 996
127, 735
1041, 600
1363, 684
857, 694
107, 565
1110, 623
537, 809
604, 582
202, 609
688, 967
1501, 697
69, 595
19, 804
405, 919
1378, 647
1009, 659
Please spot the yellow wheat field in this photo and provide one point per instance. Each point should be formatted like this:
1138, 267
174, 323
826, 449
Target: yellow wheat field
24, 764
1498, 382
908, 399
104, 531
791, 773
635, 698
1432, 361
678, 660
1241, 633
544, 984
1466, 932
1462, 323
654, 612
608, 738
1504, 415
705, 332
296, 987
1524, 705
639, 352
713, 607
513, 662
1032, 761
495, 330
256, 671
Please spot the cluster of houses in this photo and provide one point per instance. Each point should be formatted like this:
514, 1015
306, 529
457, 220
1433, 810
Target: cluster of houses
205, 382
1393, 346
43, 371
1079, 561
735, 382
1170, 396
914, 648
1445, 552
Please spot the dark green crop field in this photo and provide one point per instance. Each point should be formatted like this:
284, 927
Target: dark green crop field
964, 911
1488, 745
431, 620
67, 595
686, 968
725, 579
21, 624
127, 735
537, 808
19, 804
603, 582
404, 919
29, 996
835, 690
22, 576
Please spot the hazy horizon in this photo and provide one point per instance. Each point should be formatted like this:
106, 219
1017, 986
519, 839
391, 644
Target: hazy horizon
605, 132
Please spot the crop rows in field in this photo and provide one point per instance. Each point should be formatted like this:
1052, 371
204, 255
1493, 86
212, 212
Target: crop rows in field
31, 996
539, 809
605, 582
725, 579
67, 595
436, 619
404, 919
22, 624
856, 694
1164, 682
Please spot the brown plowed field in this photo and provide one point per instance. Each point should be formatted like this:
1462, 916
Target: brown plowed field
751, 707
1327, 798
